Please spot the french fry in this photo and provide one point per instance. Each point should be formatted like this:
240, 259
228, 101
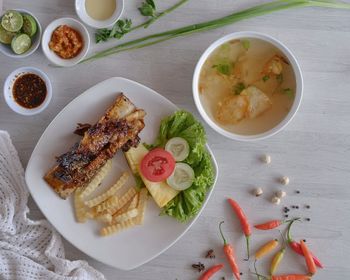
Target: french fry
96, 181
109, 203
122, 201
134, 202
79, 207
91, 213
106, 218
126, 207
116, 228
110, 192
141, 207
125, 216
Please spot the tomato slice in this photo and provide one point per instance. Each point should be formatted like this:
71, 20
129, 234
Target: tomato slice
157, 165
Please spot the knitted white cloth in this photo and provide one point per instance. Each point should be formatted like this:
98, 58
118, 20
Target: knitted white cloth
29, 249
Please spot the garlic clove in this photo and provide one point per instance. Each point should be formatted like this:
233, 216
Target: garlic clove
276, 200
285, 180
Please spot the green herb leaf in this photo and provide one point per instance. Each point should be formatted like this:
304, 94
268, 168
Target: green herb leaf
224, 68
288, 92
246, 44
279, 78
266, 78
119, 29
148, 8
238, 88
102, 35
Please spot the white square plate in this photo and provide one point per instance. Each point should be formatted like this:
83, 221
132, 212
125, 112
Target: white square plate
127, 249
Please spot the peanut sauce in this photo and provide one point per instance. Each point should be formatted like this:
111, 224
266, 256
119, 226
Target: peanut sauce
29, 91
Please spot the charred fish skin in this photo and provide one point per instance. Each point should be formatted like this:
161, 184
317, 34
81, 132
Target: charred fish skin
117, 129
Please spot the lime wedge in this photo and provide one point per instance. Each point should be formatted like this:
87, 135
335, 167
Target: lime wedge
29, 25
21, 43
12, 21
5, 36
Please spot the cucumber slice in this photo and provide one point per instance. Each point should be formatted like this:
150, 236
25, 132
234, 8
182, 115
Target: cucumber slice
6, 36
178, 147
29, 25
12, 21
182, 177
21, 43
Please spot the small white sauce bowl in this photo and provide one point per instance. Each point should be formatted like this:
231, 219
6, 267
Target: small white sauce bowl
84, 16
6, 49
298, 79
51, 55
8, 94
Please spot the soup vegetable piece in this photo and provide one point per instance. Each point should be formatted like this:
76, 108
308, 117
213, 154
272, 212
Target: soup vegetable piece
247, 86
187, 203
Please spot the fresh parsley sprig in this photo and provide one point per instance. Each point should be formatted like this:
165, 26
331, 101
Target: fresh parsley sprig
122, 27
148, 9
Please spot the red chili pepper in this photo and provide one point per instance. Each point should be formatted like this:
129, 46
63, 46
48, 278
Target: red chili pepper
273, 224
308, 258
296, 247
230, 255
211, 271
243, 220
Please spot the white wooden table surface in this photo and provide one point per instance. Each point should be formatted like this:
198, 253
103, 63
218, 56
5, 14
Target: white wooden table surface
314, 150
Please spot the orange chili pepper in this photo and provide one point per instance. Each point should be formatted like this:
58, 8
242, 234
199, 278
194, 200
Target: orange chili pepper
211, 271
243, 220
266, 248
308, 258
230, 255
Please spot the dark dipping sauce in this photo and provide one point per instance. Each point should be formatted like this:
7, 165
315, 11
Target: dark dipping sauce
29, 91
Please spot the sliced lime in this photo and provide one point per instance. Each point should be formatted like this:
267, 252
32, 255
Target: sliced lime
12, 21
21, 43
29, 25
5, 36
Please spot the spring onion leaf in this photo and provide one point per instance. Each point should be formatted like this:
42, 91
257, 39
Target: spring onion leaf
279, 78
262, 9
224, 69
266, 78
246, 44
238, 88
288, 92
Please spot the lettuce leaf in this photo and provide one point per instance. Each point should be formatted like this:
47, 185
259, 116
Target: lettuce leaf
188, 202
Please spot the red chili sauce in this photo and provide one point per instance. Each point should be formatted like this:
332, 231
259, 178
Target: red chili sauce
29, 91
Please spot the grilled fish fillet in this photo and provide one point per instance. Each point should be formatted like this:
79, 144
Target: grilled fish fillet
117, 129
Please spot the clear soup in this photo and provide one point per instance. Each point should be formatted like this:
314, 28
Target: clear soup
247, 86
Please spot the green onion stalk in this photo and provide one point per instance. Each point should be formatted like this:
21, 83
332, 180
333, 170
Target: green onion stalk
258, 10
